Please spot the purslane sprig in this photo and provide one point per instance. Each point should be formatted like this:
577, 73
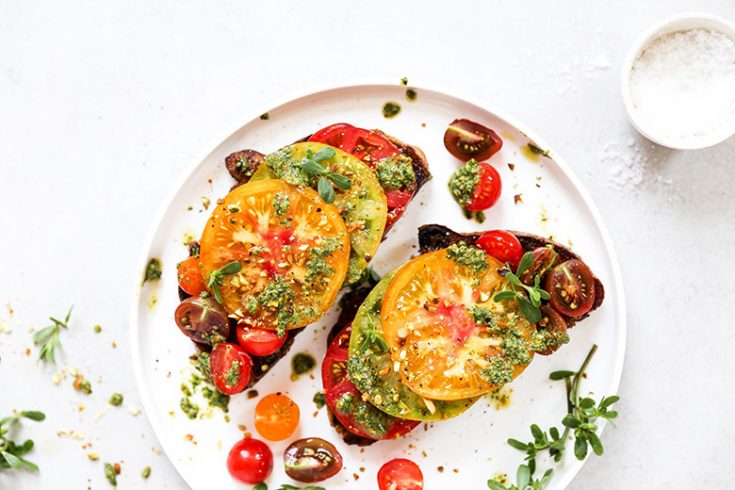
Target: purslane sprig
48, 337
11, 453
580, 419
217, 277
530, 302
311, 166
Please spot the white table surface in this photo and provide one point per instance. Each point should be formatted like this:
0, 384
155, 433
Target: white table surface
104, 104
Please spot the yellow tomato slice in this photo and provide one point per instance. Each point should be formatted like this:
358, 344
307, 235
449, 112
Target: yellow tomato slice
293, 247
447, 336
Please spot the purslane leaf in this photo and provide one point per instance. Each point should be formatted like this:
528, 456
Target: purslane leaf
325, 189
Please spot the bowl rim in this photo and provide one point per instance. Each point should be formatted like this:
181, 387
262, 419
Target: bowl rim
668, 25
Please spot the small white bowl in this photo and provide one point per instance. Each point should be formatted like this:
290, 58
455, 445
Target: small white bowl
680, 22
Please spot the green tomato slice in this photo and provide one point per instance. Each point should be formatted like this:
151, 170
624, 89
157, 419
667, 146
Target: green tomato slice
363, 206
371, 368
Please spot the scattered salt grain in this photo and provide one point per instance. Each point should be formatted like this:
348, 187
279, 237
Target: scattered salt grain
683, 84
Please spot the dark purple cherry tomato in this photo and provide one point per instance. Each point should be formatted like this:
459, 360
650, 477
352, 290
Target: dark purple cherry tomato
544, 258
311, 460
467, 139
572, 288
203, 320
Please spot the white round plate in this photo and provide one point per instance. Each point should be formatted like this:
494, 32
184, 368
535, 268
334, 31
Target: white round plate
463, 452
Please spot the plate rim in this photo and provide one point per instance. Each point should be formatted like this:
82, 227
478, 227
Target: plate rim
321, 89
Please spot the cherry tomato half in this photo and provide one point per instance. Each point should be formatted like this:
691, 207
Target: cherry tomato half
572, 288
250, 461
230, 367
190, 276
553, 323
276, 417
366, 145
487, 190
203, 320
259, 341
311, 460
400, 474
544, 258
503, 245
466, 139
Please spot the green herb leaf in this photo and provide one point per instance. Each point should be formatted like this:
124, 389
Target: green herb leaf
515, 443
312, 168
595, 442
260, 486
325, 189
324, 154
494, 485
609, 400
571, 421
523, 476
33, 415
580, 448
340, 181
48, 337
525, 263
504, 296
559, 375
531, 312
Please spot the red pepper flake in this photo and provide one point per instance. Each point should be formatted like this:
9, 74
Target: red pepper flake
355, 476
440, 469
518, 198
117, 468
512, 166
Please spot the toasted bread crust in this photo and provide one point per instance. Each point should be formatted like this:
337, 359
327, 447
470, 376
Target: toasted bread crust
435, 237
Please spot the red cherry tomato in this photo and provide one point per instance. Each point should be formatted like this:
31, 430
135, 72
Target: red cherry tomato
230, 367
366, 145
250, 461
572, 288
345, 400
190, 276
467, 139
259, 341
502, 245
487, 190
400, 474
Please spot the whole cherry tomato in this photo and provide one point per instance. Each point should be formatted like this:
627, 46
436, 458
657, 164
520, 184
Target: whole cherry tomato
250, 461
503, 245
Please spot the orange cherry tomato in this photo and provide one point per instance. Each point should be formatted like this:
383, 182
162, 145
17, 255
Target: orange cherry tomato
276, 417
190, 276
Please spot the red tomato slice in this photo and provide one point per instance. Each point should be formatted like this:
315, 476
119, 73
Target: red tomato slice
397, 201
487, 190
502, 245
230, 367
259, 341
345, 400
366, 145
400, 474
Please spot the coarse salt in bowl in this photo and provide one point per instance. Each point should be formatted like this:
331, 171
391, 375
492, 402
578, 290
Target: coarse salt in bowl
678, 81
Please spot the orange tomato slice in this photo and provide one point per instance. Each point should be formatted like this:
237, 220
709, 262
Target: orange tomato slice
293, 247
434, 317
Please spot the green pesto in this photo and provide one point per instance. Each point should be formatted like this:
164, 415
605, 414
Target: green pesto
265, 116
302, 363
319, 399
111, 474
281, 204
543, 340
189, 408
278, 296
116, 399
473, 258
285, 167
499, 372
252, 305
316, 266
232, 376
395, 172
373, 421
146, 472
484, 317
411, 94
391, 109
514, 347
153, 270
463, 182
200, 381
